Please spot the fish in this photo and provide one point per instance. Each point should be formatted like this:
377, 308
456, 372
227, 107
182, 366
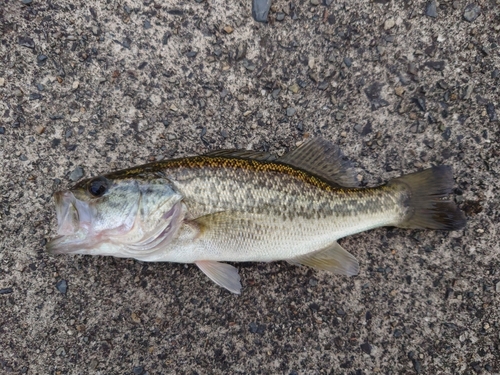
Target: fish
246, 206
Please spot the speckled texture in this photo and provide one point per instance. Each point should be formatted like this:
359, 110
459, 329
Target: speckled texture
131, 82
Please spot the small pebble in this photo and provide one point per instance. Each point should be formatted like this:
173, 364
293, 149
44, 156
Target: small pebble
138, 370
39, 129
241, 51
294, 88
389, 24
490, 109
417, 366
471, 12
280, 16
2, 82
76, 174
366, 347
228, 29
75, 85
347, 62
135, 317
436, 65
249, 65
26, 42
74, 119
497, 287
60, 352
260, 10
315, 2
147, 24
2, 130
126, 42
290, 111
431, 9
62, 285
41, 58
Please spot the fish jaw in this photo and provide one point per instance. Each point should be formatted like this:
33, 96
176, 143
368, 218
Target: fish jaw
72, 213
74, 219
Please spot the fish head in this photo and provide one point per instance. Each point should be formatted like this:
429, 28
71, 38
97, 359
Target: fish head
106, 215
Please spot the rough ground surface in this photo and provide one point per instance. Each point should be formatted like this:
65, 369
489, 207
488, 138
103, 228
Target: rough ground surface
103, 85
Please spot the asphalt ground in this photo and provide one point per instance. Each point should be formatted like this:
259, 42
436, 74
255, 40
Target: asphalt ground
88, 87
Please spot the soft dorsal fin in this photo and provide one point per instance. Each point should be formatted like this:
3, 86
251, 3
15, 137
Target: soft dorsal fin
332, 258
242, 154
322, 159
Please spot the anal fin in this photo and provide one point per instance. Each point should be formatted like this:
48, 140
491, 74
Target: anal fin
332, 258
222, 274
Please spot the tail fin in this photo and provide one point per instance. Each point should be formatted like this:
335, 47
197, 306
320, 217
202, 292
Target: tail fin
428, 201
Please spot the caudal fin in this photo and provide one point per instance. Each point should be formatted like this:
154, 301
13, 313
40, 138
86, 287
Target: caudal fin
430, 206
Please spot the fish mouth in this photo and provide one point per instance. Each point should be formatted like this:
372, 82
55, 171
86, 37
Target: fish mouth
73, 222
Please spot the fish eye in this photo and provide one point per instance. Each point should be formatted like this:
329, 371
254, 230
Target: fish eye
98, 186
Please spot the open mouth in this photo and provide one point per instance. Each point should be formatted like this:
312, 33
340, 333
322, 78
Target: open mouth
73, 222
72, 214
66, 212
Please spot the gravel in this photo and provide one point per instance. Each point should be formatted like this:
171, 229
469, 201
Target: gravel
471, 12
140, 97
62, 286
76, 174
260, 10
431, 9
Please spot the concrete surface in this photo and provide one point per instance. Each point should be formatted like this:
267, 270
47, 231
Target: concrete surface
109, 84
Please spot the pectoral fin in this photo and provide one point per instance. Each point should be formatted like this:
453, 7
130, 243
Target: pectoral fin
333, 258
222, 274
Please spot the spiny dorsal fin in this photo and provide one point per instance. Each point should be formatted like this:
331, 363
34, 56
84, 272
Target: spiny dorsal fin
333, 258
322, 159
242, 154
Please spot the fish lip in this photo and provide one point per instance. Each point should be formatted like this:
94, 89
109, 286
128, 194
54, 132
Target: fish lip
64, 245
54, 246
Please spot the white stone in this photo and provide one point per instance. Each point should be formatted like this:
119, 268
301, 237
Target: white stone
389, 24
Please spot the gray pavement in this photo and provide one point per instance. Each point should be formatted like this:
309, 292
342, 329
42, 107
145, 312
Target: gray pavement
92, 86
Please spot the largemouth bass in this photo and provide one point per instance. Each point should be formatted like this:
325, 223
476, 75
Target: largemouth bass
243, 206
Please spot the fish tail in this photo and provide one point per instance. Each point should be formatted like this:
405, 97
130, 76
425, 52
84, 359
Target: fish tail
427, 199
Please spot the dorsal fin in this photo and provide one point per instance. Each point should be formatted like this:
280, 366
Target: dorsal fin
242, 154
322, 159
